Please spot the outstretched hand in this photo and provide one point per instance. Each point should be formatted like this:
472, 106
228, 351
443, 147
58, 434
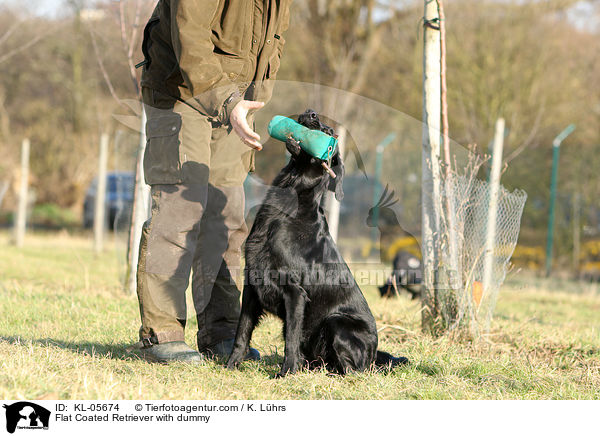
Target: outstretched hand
239, 122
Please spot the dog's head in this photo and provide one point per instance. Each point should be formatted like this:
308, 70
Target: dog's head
311, 167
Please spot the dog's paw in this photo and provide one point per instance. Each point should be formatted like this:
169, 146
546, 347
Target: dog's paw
293, 146
396, 361
289, 366
387, 361
285, 372
234, 360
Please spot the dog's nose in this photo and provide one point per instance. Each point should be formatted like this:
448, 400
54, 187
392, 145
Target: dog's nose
311, 114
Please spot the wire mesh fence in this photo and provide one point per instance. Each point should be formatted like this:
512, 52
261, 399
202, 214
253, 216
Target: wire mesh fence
461, 302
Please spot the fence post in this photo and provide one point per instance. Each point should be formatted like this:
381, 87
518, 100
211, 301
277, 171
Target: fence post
334, 205
140, 213
100, 206
490, 235
21, 220
3, 189
553, 182
576, 231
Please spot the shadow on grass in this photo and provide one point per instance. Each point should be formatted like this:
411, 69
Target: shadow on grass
268, 365
108, 351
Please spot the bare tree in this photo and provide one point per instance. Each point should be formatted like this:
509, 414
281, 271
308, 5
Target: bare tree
128, 19
348, 39
130, 15
430, 183
6, 37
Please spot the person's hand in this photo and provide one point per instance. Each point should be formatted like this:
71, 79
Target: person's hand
239, 122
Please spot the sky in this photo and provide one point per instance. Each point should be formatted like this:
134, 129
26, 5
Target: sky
40, 7
579, 15
45, 7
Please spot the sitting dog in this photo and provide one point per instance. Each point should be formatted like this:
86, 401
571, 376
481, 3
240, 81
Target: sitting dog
406, 274
294, 270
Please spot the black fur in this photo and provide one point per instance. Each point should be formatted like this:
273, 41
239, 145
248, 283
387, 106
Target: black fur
294, 270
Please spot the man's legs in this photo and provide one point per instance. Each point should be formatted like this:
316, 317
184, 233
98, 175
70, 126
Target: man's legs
217, 278
170, 237
198, 220
166, 253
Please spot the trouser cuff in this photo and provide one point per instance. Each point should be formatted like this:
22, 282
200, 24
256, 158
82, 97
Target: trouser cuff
170, 336
215, 337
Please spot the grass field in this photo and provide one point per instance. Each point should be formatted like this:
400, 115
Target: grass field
65, 323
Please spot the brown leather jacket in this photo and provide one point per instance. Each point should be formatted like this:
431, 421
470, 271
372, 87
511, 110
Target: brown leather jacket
213, 53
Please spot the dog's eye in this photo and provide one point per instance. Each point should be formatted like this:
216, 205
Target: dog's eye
313, 115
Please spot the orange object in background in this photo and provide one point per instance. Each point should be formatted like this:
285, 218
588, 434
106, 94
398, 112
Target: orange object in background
477, 292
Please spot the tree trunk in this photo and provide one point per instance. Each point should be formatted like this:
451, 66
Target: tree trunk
430, 187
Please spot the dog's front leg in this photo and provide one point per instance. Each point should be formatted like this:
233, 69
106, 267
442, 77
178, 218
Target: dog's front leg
249, 316
295, 299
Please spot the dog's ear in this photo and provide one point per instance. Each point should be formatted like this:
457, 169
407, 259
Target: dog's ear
293, 147
336, 185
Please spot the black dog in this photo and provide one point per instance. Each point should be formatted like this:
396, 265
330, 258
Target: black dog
294, 270
406, 274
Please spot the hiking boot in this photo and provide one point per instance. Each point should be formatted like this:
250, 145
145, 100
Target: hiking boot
168, 352
223, 349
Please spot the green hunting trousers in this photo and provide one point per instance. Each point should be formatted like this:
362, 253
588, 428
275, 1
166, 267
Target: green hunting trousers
196, 171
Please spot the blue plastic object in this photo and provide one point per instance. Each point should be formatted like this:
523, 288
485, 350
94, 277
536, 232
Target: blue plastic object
314, 142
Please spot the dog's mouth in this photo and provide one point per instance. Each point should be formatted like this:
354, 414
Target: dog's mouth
310, 119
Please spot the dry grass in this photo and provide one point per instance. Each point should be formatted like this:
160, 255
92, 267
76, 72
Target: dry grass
65, 323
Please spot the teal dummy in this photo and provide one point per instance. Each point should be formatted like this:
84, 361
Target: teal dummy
314, 142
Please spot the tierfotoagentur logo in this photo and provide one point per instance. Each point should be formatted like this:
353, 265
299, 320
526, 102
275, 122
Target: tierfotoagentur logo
26, 416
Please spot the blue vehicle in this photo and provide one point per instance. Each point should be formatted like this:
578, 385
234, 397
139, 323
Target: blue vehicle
119, 200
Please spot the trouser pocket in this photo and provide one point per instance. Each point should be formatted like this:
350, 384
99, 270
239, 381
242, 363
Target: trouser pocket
162, 164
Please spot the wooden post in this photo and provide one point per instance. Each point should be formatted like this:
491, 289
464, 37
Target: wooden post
100, 206
3, 189
492, 218
140, 213
21, 219
430, 186
334, 206
576, 231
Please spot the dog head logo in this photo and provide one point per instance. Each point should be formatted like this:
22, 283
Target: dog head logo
25, 415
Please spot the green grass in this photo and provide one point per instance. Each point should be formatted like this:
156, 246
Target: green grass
65, 323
